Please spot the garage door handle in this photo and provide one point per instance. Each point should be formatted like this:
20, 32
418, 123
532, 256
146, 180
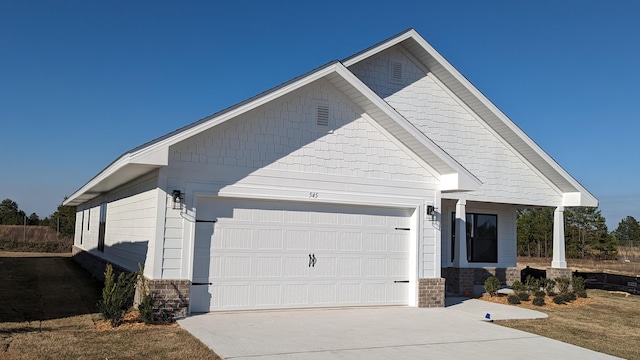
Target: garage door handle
201, 283
401, 281
312, 260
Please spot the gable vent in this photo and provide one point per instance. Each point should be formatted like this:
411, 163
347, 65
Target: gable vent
322, 115
396, 72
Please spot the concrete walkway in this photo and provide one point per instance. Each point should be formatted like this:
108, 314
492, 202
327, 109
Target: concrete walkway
458, 331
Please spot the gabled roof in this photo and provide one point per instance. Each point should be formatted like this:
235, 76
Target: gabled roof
453, 176
155, 154
574, 193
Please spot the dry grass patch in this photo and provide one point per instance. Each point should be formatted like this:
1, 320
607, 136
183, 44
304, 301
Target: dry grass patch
33, 239
77, 337
607, 323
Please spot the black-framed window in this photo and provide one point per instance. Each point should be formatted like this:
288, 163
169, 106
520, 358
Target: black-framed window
102, 227
482, 237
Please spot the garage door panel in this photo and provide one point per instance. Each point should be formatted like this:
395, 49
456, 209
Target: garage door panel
259, 255
296, 266
349, 241
349, 267
323, 293
268, 266
295, 294
297, 240
269, 239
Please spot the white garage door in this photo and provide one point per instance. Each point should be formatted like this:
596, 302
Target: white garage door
272, 254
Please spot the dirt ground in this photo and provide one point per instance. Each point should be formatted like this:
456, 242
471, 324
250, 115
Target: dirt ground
48, 311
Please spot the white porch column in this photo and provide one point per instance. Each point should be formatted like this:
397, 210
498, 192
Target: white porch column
559, 260
460, 256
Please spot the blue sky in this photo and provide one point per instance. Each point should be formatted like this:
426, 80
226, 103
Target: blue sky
82, 82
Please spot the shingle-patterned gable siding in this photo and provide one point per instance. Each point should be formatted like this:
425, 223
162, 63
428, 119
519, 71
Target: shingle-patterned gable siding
284, 136
426, 103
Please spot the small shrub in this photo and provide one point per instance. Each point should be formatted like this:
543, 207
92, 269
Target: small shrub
117, 297
145, 308
550, 287
581, 293
538, 301
539, 294
513, 299
532, 284
518, 286
563, 285
559, 299
491, 285
523, 296
570, 296
578, 283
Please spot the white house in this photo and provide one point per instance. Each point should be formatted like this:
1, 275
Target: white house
368, 181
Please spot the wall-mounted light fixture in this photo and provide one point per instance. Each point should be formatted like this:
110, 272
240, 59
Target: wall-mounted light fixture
178, 199
431, 211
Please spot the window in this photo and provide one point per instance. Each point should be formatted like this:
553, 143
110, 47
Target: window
82, 227
482, 237
102, 227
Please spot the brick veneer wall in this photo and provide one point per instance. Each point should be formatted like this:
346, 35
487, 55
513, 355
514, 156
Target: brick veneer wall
170, 297
431, 292
554, 273
462, 281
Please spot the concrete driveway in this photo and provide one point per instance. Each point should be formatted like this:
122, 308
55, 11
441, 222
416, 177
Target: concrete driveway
458, 331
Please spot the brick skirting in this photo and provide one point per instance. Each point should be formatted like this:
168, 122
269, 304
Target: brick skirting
462, 281
431, 292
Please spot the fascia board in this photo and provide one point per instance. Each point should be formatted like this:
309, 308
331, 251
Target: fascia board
102, 176
579, 198
464, 180
381, 47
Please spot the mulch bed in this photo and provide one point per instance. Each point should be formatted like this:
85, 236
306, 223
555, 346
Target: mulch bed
131, 321
548, 302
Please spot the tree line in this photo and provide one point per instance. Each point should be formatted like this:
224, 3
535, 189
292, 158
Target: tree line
585, 230
62, 220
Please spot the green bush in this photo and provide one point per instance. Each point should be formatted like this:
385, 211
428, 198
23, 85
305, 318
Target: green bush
578, 284
539, 294
563, 285
559, 299
491, 285
117, 297
538, 301
550, 287
523, 296
532, 284
581, 293
513, 299
145, 308
518, 286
